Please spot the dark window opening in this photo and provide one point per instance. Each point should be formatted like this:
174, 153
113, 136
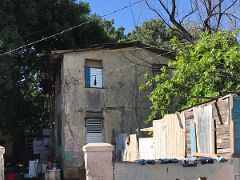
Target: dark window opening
156, 68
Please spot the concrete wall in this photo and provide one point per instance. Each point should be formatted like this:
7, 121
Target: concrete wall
59, 113
229, 170
124, 106
99, 166
98, 157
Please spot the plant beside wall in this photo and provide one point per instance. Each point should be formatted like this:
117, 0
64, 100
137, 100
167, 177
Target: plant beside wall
208, 67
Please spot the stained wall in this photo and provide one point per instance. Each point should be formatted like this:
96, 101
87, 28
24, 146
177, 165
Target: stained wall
124, 106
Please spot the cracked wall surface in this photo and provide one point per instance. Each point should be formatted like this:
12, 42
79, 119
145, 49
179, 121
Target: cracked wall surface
124, 106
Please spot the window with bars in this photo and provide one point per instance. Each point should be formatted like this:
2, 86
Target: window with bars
93, 73
94, 127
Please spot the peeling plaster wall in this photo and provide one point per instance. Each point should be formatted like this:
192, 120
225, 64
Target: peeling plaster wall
124, 106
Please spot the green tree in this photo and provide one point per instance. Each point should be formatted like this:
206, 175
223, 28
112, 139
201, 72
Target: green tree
23, 100
153, 32
208, 68
116, 35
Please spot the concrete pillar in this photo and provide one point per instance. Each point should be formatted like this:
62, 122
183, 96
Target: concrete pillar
98, 161
2, 151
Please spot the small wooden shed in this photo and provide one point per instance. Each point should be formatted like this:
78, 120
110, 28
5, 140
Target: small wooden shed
211, 128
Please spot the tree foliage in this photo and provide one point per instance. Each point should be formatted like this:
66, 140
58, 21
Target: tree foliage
23, 101
115, 35
207, 68
153, 32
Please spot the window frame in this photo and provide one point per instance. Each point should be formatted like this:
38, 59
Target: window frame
87, 133
95, 67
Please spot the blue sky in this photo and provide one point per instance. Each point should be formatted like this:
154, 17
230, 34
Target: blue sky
139, 13
123, 18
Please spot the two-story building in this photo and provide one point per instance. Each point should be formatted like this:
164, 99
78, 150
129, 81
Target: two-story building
95, 95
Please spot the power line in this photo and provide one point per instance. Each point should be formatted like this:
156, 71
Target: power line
69, 29
79, 25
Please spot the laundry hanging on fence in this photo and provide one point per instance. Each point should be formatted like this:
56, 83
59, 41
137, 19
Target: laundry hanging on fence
120, 146
221, 160
165, 161
144, 162
206, 160
131, 153
189, 163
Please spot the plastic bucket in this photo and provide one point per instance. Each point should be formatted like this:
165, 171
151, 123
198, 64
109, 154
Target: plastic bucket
10, 176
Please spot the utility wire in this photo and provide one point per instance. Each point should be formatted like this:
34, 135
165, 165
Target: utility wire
69, 29
79, 25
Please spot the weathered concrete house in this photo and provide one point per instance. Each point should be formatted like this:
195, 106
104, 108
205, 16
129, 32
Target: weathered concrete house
95, 95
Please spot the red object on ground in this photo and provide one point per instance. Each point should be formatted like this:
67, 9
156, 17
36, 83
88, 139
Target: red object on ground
10, 176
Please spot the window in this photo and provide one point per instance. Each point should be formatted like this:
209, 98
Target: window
94, 126
93, 74
156, 69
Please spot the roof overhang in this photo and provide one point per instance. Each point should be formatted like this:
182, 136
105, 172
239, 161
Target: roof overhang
56, 54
